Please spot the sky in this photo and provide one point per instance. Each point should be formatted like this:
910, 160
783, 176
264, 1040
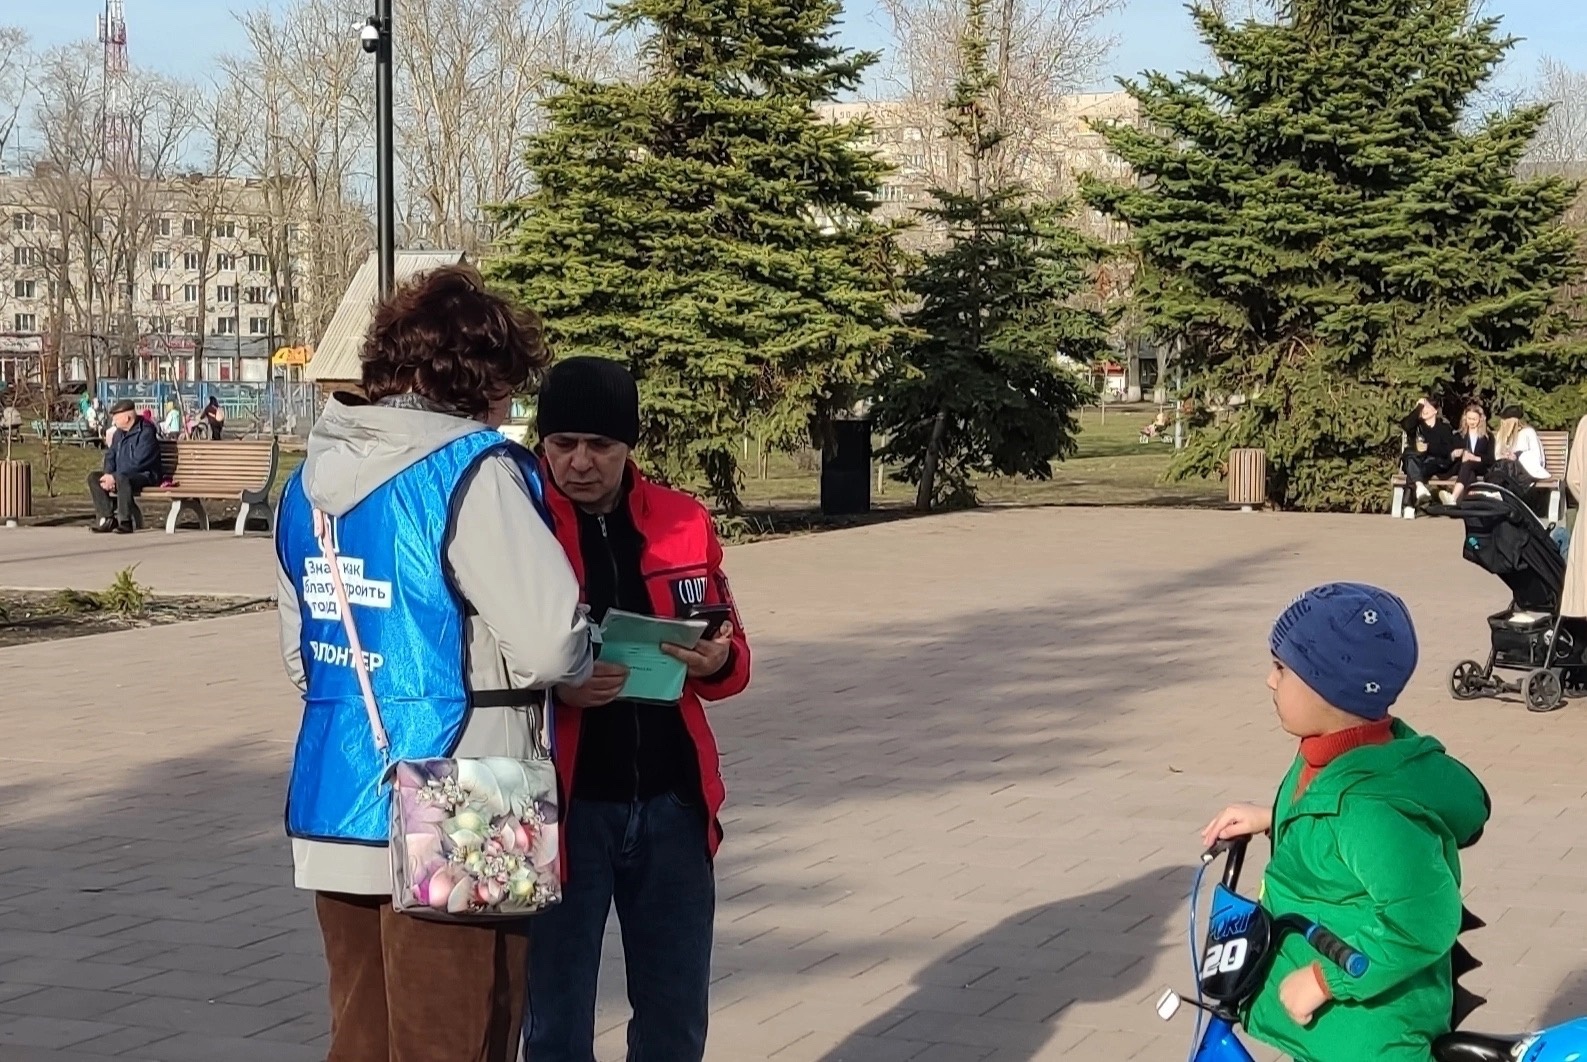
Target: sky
182, 36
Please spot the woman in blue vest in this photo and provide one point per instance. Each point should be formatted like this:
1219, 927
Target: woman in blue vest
464, 603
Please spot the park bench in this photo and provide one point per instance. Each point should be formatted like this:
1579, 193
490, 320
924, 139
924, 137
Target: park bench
196, 471
1556, 452
67, 431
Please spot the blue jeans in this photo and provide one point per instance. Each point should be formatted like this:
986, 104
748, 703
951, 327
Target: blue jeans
649, 857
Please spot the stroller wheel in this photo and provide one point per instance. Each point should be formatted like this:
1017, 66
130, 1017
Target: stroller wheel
1542, 690
1467, 682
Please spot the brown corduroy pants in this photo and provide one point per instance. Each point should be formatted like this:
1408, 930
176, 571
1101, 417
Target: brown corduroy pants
404, 989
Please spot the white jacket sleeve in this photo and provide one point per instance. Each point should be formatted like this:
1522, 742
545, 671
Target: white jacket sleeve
1529, 451
291, 627
510, 567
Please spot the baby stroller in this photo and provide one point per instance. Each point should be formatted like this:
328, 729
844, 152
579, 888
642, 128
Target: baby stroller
1505, 537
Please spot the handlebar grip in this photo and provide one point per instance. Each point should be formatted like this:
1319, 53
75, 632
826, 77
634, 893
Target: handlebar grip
1337, 951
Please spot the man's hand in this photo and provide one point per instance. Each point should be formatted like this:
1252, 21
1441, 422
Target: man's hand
604, 684
1302, 993
1237, 820
707, 657
107, 482
1467, 455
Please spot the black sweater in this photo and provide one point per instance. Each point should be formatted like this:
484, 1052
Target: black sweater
627, 751
1437, 438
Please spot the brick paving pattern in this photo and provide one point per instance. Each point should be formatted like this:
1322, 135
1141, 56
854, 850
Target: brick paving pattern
963, 792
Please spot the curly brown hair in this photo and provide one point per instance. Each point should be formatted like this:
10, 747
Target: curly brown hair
445, 337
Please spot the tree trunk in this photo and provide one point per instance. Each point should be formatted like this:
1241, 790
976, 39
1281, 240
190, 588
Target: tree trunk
928, 468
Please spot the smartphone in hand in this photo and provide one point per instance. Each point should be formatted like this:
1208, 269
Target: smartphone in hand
714, 616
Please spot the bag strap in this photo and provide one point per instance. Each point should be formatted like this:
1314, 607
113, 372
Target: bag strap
322, 532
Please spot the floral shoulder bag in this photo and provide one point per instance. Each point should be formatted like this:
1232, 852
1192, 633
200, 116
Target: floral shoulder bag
471, 838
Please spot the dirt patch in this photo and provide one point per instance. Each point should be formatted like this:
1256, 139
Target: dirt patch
29, 616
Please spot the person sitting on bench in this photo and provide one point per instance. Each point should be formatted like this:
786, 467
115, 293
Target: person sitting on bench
132, 463
1430, 450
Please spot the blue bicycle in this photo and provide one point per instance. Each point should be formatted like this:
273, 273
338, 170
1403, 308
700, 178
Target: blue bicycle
1243, 938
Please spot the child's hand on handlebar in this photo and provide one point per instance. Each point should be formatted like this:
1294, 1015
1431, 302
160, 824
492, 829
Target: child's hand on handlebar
1237, 820
1303, 993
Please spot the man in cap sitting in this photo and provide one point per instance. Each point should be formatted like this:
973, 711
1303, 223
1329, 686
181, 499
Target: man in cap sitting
132, 463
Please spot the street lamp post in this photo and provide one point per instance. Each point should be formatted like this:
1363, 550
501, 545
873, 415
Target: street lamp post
270, 357
376, 40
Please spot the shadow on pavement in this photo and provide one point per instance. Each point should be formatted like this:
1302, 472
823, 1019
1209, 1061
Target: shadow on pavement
1009, 988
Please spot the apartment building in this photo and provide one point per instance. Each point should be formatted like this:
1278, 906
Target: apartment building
188, 278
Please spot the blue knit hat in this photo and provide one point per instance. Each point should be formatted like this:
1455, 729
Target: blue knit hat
1354, 644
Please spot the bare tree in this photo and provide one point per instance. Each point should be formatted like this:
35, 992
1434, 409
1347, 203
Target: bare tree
309, 143
1045, 51
1563, 138
16, 70
93, 223
471, 77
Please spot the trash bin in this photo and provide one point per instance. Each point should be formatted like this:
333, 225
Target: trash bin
846, 469
16, 491
1248, 478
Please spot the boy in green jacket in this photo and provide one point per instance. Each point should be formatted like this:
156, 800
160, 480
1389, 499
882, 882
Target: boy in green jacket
1366, 831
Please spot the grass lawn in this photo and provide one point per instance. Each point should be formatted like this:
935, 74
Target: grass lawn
67, 497
1111, 468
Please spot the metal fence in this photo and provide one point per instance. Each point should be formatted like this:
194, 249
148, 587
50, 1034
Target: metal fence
259, 409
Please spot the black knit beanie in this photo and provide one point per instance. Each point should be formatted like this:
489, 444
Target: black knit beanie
589, 396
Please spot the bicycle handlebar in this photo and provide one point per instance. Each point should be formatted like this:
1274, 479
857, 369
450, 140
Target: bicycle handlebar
1336, 951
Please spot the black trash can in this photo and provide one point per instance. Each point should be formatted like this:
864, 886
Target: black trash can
846, 469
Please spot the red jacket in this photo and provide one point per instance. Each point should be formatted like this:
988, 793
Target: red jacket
682, 565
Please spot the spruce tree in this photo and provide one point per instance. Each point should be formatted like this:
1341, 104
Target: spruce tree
1325, 231
706, 227
977, 387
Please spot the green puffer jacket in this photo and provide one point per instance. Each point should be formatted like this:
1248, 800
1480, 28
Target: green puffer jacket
1370, 850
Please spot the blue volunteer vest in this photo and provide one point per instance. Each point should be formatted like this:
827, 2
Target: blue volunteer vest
411, 624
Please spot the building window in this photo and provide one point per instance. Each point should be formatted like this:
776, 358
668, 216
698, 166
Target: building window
190, 325
160, 260
25, 256
162, 226
26, 322
160, 293
225, 293
258, 326
189, 292
226, 230
257, 263
225, 263
160, 326
256, 296
56, 256
23, 222
59, 288
225, 326
294, 299
191, 227
102, 225
23, 289
192, 261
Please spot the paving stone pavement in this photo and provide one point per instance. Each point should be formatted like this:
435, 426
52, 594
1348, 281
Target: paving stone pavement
963, 793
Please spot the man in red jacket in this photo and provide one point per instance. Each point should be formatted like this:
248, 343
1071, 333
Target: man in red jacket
642, 783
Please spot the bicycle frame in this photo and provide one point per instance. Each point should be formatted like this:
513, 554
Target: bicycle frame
1220, 1043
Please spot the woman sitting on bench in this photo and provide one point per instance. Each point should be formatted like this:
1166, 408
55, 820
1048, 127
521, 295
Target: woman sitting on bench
1475, 455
